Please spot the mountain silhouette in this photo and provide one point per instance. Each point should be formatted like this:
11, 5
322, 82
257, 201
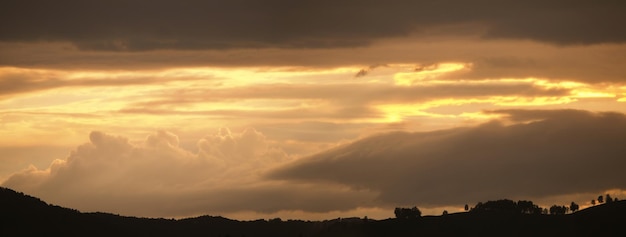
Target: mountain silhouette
23, 215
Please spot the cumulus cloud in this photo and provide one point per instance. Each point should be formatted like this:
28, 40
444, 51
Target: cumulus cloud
149, 25
530, 154
156, 177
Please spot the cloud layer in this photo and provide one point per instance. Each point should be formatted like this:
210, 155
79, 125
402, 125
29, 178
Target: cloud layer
309, 76
529, 154
543, 154
149, 25
157, 178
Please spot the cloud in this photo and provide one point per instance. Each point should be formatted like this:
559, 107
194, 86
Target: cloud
542, 154
17, 157
330, 103
489, 59
17, 80
152, 25
363, 72
426, 67
361, 94
530, 154
156, 177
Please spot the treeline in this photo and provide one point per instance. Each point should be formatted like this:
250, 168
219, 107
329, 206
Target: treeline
509, 206
523, 207
601, 199
23, 215
407, 213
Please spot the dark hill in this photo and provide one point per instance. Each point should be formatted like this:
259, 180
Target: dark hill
23, 215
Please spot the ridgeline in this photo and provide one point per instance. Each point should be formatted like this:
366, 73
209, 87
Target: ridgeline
23, 215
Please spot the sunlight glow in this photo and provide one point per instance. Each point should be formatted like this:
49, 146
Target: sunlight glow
399, 112
428, 73
480, 115
593, 94
531, 101
85, 99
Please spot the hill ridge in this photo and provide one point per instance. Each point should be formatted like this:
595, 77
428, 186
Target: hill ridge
25, 215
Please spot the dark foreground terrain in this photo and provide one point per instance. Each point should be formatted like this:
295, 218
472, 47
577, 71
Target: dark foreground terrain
23, 215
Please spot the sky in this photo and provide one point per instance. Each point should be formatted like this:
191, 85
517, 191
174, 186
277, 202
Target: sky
311, 109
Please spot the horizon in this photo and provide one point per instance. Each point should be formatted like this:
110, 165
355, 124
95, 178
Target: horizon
311, 110
494, 206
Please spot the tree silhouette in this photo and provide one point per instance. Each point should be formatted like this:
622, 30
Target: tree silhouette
504, 205
407, 213
608, 198
558, 210
445, 212
593, 202
600, 199
466, 207
528, 207
573, 207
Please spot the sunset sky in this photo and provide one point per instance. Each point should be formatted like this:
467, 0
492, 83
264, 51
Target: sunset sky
311, 109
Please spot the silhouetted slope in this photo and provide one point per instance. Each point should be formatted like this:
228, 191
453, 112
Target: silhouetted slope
26, 215
606, 219
23, 215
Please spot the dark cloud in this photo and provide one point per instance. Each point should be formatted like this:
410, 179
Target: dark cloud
194, 24
559, 21
363, 72
568, 65
543, 154
419, 68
